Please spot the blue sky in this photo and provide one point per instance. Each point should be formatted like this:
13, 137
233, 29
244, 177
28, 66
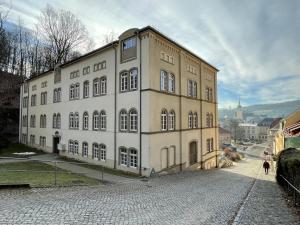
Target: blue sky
254, 44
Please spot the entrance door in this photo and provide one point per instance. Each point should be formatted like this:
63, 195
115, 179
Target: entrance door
193, 152
164, 158
55, 144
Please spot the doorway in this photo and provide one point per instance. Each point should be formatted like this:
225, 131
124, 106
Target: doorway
55, 145
193, 152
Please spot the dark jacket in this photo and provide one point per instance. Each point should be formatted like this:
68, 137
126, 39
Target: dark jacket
266, 165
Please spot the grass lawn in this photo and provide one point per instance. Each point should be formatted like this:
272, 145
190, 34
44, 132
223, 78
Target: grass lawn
105, 169
40, 179
13, 148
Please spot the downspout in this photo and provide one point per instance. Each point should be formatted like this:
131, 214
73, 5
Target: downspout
20, 116
115, 109
180, 112
140, 110
216, 126
27, 113
201, 114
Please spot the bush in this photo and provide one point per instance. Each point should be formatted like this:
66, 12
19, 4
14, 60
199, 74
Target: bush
288, 165
4, 142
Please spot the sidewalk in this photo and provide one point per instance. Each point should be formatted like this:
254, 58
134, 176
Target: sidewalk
266, 204
92, 173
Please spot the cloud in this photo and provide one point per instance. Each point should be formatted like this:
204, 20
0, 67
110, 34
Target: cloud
253, 43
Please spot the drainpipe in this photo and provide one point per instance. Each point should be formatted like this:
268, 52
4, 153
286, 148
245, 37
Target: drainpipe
216, 129
27, 113
20, 116
140, 110
115, 109
201, 130
180, 112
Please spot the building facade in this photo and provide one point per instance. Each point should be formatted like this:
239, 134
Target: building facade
142, 104
249, 131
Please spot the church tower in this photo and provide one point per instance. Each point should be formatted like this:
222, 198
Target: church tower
238, 112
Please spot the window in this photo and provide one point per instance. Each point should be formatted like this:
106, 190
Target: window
172, 120
100, 66
74, 74
33, 100
195, 89
54, 120
95, 151
96, 87
133, 158
32, 121
164, 123
195, 120
123, 120
42, 141
44, 84
133, 75
72, 91
71, 120
208, 145
58, 121
76, 147
57, 95
129, 43
86, 89
102, 152
85, 121
33, 87
211, 120
192, 88
207, 120
209, 94
163, 80
190, 120
43, 98
133, 120
124, 81
85, 149
103, 86
96, 120
171, 83
77, 91
86, 70
43, 121
24, 138
76, 120
32, 139
102, 120
123, 156
71, 149
24, 121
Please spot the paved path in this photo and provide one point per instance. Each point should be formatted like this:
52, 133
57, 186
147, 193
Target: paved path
206, 197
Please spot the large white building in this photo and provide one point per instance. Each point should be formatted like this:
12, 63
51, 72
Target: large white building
141, 104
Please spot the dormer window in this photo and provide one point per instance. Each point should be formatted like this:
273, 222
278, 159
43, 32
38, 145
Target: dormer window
129, 43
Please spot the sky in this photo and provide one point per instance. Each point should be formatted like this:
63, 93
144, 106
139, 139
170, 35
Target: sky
255, 44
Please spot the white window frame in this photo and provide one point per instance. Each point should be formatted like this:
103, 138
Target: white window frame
123, 156
102, 152
124, 81
171, 120
164, 120
190, 120
96, 122
103, 120
133, 158
103, 86
163, 80
133, 79
85, 121
133, 120
85, 149
123, 120
86, 92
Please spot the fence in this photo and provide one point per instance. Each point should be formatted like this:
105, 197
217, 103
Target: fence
48, 172
291, 191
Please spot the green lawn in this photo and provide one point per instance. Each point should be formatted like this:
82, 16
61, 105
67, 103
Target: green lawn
13, 148
40, 179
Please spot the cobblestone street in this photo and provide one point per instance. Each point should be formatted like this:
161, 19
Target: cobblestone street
205, 197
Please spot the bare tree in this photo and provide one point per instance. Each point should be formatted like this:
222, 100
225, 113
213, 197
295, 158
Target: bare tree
63, 33
109, 37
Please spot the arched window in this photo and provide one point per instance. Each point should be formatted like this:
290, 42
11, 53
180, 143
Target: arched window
103, 86
133, 159
102, 152
195, 120
86, 89
71, 146
207, 119
72, 91
123, 156
133, 75
123, 120
195, 89
85, 149
164, 122
58, 95
45, 121
96, 87
96, 120
190, 120
76, 120
211, 120
76, 147
41, 121
77, 90
102, 120
55, 95
54, 120
71, 120
133, 120
85, 121
171, 82
58, 121
96, 151
172, 120
163, 80
124, 81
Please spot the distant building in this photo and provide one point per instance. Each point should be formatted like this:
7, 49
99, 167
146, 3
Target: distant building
248, 131
238, 113
263, 128
224, 137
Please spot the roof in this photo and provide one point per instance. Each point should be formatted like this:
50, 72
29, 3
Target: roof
275, 123
292, 130
223, 131
112, 44
266, 122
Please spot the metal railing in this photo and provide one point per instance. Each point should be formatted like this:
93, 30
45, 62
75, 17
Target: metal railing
291, 191
59, 167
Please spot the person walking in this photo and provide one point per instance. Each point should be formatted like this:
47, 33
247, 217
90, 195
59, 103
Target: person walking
266, 166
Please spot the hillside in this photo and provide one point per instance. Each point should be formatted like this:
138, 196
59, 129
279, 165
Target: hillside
265, 110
